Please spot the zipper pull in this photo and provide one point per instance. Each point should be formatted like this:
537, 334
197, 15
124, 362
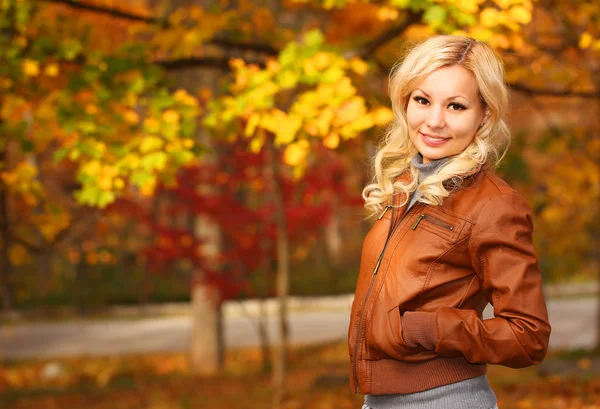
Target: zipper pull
378, 263
388, 207
416, 223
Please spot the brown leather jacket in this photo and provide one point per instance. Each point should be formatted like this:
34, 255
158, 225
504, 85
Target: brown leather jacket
425, 279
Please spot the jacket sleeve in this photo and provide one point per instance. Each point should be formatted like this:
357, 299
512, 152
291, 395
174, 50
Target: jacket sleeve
502, 255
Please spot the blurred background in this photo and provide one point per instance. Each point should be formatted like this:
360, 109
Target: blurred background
180, 193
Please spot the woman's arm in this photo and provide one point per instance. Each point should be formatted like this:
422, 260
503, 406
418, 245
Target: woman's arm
503, 257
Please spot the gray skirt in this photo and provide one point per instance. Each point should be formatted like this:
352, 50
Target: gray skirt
474, 393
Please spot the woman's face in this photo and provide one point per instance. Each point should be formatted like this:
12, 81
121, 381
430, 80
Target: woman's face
444, 112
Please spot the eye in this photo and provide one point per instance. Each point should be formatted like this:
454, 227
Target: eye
454, 106
421, 100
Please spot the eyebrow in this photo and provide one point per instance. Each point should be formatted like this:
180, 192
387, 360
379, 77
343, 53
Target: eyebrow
452, 97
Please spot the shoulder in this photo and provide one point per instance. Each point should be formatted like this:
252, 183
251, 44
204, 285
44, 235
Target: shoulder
500, 204
486, 192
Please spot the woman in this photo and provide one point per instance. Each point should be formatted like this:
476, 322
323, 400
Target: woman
450, 237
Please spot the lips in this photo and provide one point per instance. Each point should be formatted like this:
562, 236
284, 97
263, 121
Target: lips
433, 140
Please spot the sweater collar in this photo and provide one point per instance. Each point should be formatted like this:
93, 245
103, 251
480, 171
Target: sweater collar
427, 169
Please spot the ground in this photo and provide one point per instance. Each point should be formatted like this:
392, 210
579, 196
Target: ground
318, 379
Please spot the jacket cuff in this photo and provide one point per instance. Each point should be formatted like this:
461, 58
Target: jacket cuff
420, 328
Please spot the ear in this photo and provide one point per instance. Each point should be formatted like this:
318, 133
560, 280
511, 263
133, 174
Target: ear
486, 116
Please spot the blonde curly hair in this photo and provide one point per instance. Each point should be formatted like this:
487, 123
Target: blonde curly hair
396, 150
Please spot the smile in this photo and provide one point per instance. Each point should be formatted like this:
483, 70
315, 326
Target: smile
433, 140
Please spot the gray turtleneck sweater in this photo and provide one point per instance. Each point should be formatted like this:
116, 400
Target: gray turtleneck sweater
472, 393
425, 170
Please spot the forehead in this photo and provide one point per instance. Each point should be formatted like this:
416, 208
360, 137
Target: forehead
450, 81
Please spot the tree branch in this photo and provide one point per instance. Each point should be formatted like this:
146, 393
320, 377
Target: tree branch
29, 246
365, 51
220, 42
369, 48
553, 92
106, 10
221, 63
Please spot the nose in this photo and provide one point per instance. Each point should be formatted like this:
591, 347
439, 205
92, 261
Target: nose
435, 117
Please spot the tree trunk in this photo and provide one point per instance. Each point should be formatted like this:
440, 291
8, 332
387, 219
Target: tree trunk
207, 343
263, 335
5, 242
282, 279
333, 238
206, 351
81, 290
44, 271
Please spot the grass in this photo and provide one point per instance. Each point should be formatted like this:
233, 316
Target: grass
318, 379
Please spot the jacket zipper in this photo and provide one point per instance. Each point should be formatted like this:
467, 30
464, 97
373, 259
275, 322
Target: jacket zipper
384, 210
391, 231
432, 220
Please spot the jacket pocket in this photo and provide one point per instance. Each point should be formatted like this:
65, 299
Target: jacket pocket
395, 327
441, 224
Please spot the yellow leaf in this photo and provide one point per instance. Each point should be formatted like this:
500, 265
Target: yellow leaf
418, 32
468, 6
151, 125
489, 17
52, 70
183, 97
148, 188
387, 13
309, 67
520, 14
236, 63
257, 143
131, 117
504, 4
252, 123
500, 41
287, 130
105, 183
585, 40
359, 66
322, 60
151, 143
273, 65
382, 116
332, 140
323, 123
91, 109
119, 183
92, 168
295, 154
31, 68
170, 116
349, 111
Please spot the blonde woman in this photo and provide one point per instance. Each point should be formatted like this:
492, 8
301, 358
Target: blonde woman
450, 237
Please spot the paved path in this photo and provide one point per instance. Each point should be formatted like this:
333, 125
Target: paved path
573, 322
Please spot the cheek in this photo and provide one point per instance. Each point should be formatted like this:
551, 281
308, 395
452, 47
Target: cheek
412, 116
465, 129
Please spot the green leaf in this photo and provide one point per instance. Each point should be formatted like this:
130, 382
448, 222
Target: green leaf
288, 55
155, 160
313, 39
69, 49
88, 195
435, 16
402, 4
105, 198
182, 157
141, 177
59, 155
